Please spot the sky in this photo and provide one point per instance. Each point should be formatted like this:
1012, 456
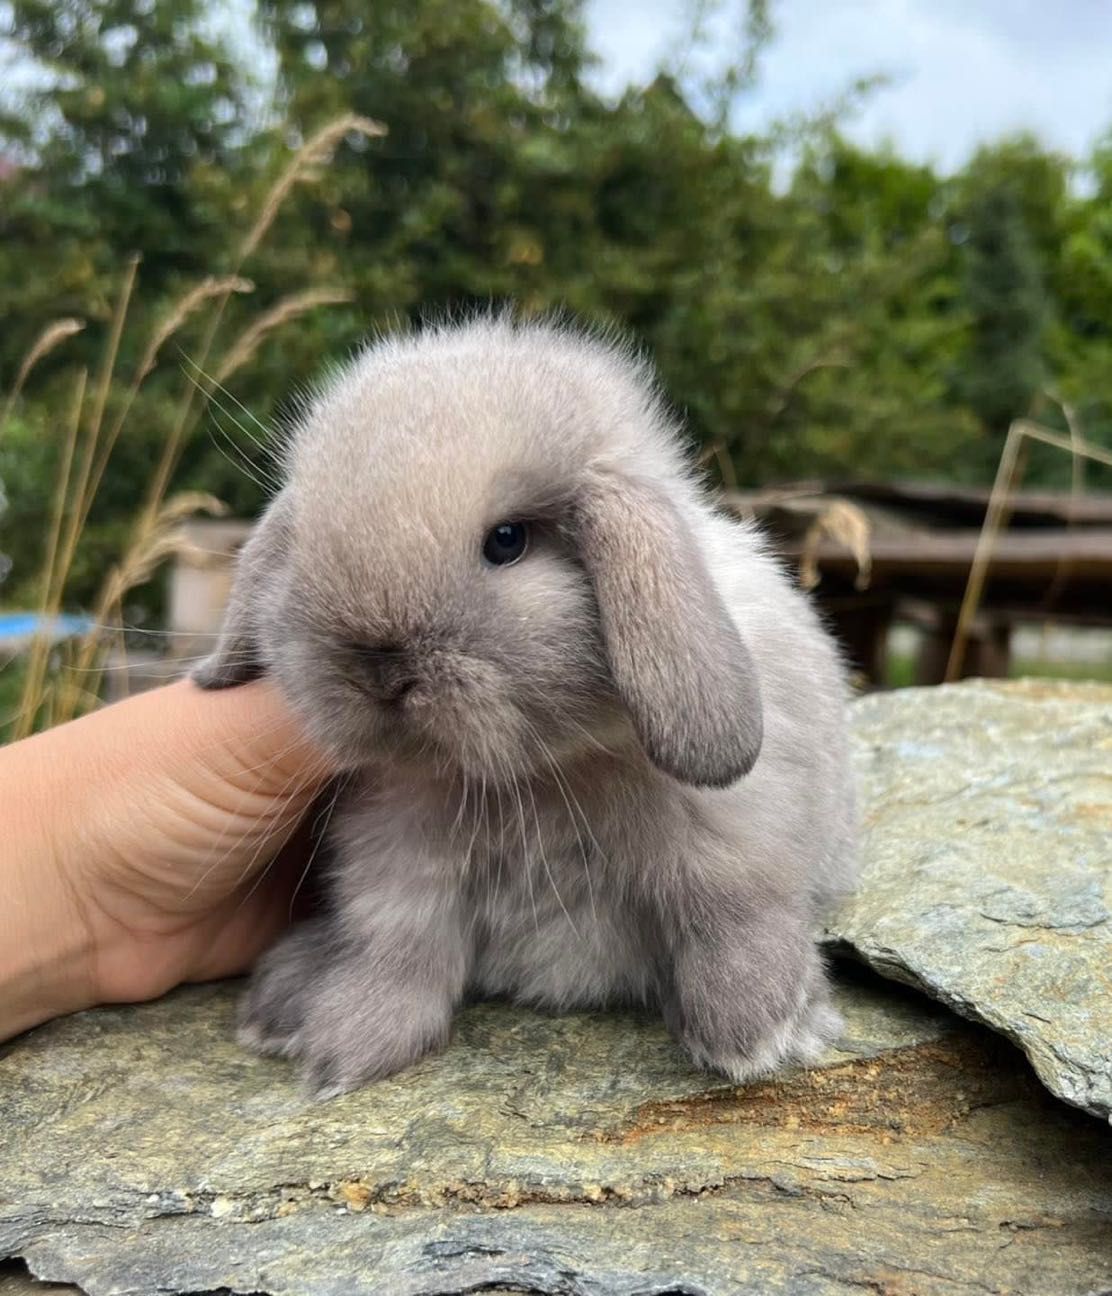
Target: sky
960, 71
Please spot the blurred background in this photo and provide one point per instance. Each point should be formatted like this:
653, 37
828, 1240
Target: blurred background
868, 244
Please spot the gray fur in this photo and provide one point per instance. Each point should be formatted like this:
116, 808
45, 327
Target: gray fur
615, 771
239, 653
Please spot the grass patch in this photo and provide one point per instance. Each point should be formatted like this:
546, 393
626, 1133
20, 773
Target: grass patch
901, 670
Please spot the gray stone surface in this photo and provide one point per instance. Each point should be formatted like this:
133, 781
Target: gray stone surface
144, 1152
16, 1281
987, 864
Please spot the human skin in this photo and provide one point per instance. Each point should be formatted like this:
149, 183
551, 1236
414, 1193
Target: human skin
157, 841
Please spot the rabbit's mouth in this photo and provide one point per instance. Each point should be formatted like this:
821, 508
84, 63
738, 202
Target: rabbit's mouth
498, 737
419, 706
436, 709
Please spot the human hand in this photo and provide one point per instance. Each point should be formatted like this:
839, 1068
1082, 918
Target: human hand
153, 842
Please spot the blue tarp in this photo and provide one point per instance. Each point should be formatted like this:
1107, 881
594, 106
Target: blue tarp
15, 626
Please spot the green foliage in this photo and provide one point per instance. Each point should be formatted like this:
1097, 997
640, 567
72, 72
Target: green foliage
136, 106
1004, 282
873, 318
11, 686
28, 462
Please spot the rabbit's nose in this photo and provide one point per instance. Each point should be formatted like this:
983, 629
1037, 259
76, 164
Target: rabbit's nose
389, 670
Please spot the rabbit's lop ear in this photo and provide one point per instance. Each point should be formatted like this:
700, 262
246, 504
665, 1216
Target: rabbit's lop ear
676, 657
236, 659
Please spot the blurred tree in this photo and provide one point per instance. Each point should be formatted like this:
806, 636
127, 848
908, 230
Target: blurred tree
133, 136
870, 317
131, 102
1080, 335
1004, 285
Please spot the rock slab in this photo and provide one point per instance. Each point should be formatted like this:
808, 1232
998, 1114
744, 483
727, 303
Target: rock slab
144, 1152
141, 1151
986, 871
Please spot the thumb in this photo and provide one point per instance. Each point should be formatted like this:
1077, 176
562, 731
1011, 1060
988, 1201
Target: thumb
213, 783
243, 762
244, 738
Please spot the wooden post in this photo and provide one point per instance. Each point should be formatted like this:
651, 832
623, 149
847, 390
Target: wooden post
1007, 472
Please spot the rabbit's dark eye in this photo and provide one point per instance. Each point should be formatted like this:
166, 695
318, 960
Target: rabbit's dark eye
505, 543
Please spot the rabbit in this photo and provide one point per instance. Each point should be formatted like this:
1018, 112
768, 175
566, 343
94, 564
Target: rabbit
594, 739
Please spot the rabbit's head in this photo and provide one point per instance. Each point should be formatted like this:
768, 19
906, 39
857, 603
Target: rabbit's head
485, 558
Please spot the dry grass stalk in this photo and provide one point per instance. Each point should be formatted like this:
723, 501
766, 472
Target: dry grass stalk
152, 542
1077, 484
186, 504
149, 549
81, 499
782, 398
52, 336
244, 348
61, 491
846, 524
31, 696
717, 451
145, 553
179, 313
289, 308
205, 291
86, 484
112, 350
1077, 466
1009, 472
315, 152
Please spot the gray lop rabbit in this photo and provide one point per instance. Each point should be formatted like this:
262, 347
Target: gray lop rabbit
595, 740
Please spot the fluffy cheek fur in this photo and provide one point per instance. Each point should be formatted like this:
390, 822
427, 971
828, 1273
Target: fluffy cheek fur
530, 687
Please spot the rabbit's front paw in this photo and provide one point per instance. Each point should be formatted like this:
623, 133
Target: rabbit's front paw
340, 1014
747, 1003
800, 1038
359, 1029
272, 1011
348, 1016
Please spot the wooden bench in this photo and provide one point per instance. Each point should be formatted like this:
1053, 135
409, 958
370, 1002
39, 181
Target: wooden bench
1054, 563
